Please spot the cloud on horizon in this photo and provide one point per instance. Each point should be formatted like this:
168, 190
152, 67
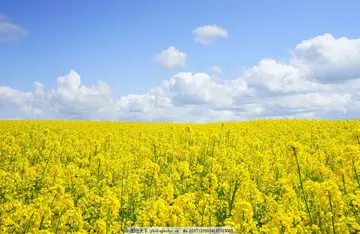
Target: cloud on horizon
320, 80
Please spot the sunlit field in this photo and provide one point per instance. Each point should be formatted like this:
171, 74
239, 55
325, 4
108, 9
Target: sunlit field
268, 176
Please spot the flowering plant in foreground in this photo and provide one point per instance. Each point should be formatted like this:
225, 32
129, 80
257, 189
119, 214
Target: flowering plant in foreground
266, 176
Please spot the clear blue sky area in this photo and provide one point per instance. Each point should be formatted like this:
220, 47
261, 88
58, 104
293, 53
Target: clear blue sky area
116, 41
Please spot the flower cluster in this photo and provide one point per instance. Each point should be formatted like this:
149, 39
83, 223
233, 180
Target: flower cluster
265, 176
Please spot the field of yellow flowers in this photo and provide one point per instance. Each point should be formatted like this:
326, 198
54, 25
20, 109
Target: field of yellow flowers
265, 176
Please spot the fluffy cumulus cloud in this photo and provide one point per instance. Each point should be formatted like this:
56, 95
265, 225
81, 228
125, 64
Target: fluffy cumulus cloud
207, 34
320, 80
171, 58
328, 59
9, 31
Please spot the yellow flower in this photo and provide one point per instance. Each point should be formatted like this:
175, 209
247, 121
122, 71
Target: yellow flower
98, 177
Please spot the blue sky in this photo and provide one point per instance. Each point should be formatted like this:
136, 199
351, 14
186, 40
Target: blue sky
117, 41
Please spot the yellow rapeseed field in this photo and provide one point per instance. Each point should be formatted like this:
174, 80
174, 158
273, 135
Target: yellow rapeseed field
266, 176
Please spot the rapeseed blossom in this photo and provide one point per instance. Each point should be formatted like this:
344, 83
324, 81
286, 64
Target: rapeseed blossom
265, 176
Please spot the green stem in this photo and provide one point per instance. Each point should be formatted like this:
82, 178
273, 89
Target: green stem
42, 221
108, 220
344, 185
356, 174
302, 186
28, 223
333, 215
58, 223
231, 204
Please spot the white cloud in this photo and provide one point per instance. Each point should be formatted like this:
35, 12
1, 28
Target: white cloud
171, 58
269, 89
196, 89
215, 69
10, 32
328, 59
207, 34
276, 77
12, 96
